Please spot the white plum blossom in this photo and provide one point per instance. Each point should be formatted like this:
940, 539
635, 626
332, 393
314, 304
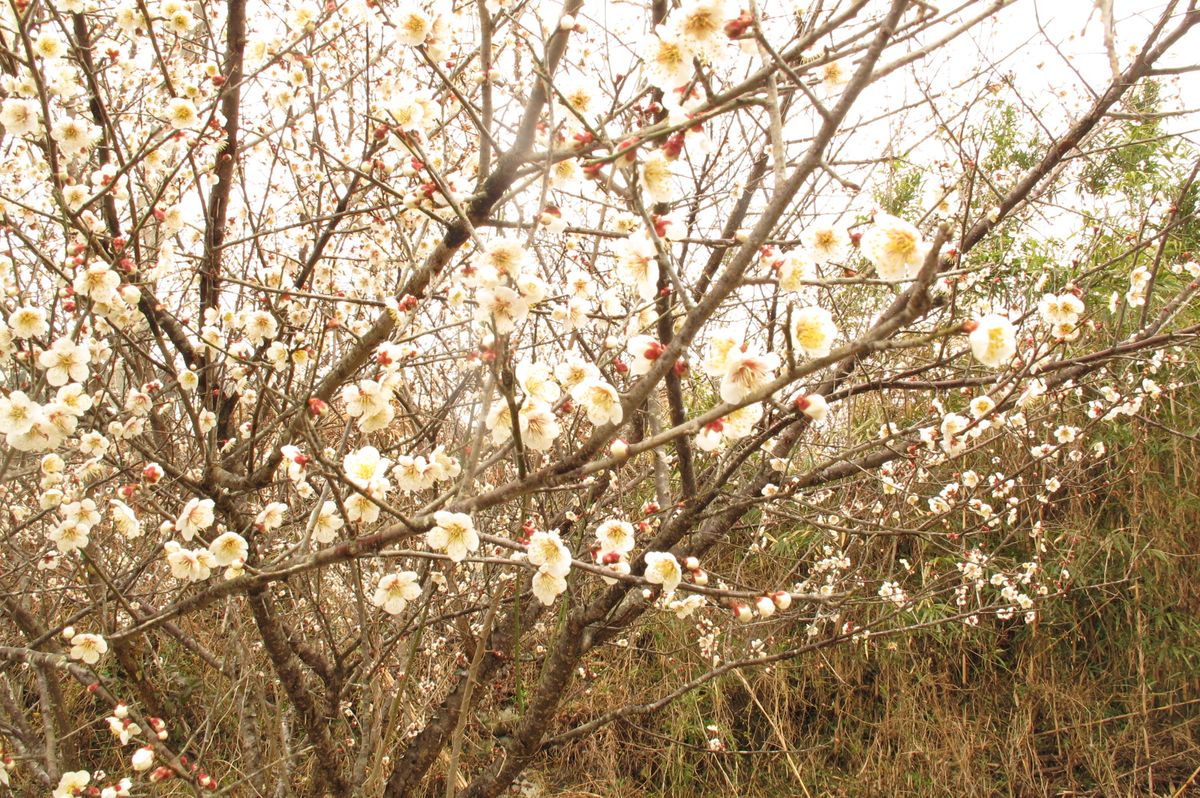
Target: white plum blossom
28, 322
193, 565
826, 243
644, 350
722, 344
271, 516
796, 271
74, 135
71, 784
499, 422
454, 534
657, 179
125, 521
637, 264
504, 257
503, 306
328, 522
538, 425
812, 405
65, 361
413, 24
20, 117
537, 381
600, 401
701, 24
88, 648
196, 516
547, 551
574, 372
548, 586
369, 401
663, 569
994, 340
667, 59
813, 331
746, 372
616, 536
364, 466
228, 548
895, 247
395, 590
181, 113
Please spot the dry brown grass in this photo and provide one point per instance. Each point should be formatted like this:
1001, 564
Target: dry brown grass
1100, 698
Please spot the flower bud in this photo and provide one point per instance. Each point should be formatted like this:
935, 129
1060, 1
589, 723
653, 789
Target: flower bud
142, 759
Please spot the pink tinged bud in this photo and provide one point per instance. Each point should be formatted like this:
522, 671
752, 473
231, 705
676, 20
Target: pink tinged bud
782, 599
142, 759
765, 606
742, 612
700, 577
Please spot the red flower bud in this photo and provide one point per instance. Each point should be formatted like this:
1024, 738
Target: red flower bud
161, 773
674, 145
628, 149
736, 28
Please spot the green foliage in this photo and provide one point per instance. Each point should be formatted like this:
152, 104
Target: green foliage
900, 193
1136, 158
